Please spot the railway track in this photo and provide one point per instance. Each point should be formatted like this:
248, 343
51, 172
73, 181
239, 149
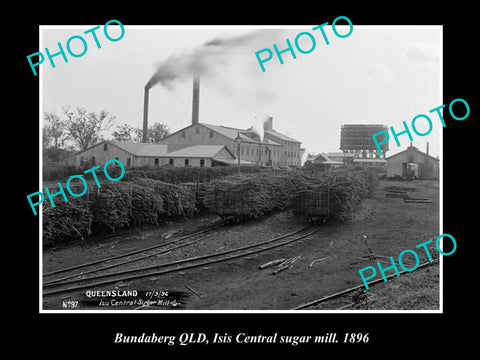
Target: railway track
147, 252
144, 253
73, 283
340, 294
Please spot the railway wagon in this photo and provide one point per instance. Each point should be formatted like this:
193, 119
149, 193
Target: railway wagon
230, 204
313, 205
202, 191
243, 202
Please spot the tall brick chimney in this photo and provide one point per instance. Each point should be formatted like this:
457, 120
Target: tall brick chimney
268, 123
145, 116
196, 98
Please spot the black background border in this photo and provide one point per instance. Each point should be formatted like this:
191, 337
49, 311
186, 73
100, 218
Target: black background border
400, 334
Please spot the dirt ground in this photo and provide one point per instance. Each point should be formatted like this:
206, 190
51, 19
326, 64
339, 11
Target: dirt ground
389, 224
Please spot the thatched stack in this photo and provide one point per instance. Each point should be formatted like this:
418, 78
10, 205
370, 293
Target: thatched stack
66, 220
249, 195
177, 201
255, 195
114, 206
177, 175
346, 194
147, 205
346, 190
144, 201
111, 207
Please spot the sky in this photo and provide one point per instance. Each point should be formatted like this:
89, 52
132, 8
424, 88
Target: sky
377, 75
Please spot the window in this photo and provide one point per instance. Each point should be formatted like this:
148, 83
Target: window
81, 160
128, 161
242, 151
197, 130
211, 133
202, 163
247, 151
187, 162
170, 161
183, 133
156, 162
105, 147
93, 160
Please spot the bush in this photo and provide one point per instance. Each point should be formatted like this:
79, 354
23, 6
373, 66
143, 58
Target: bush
57, 173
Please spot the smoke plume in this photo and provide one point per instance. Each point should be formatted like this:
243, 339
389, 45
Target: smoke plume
204, 59
258, 125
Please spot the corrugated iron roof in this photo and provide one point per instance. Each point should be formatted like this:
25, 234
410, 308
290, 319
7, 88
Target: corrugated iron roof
233, 161
162, 150
322, 158
370, 160
131, 147
412, 148
204, 151
270, 142
141, 149
341, 154
230, 132
153, 150
281, 136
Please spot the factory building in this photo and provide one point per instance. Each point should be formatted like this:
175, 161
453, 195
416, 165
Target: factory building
274, 149
133, 154
200, 145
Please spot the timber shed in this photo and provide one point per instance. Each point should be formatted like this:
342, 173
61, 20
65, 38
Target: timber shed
413, 163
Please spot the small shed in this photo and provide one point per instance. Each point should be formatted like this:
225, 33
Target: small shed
413, 163
322, 162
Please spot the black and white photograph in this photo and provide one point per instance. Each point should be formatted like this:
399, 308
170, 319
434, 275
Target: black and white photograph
201, 176
279, 185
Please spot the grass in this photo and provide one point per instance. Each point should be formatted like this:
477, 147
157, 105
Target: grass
417, 290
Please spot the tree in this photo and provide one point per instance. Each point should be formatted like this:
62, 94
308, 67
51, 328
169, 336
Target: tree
125, 133
157, 132
53, 132
85, 127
